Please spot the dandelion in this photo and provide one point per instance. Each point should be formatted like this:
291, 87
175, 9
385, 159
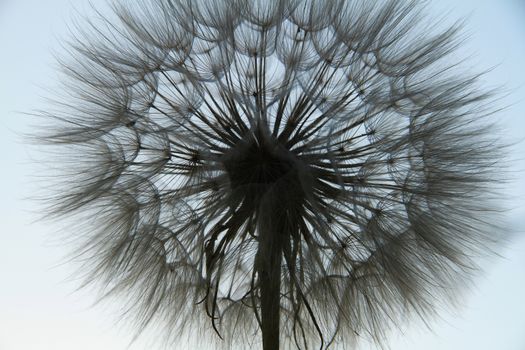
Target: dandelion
302, 172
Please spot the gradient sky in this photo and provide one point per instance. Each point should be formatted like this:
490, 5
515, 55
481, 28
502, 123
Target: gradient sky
39, 308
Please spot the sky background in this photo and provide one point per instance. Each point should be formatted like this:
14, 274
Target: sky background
39, 307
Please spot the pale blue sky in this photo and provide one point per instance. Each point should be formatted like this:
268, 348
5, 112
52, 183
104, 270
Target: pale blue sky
38, 306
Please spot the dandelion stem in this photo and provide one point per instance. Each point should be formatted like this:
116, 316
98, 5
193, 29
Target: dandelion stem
269, 255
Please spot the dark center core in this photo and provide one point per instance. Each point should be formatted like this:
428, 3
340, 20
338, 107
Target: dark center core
259, 164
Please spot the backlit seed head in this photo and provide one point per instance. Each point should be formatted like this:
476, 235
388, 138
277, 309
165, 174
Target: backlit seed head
193, 129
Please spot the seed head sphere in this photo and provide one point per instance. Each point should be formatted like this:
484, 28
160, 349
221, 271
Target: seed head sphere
292, 173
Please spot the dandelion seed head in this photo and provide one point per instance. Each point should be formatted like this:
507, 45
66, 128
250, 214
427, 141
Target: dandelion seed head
206, 136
